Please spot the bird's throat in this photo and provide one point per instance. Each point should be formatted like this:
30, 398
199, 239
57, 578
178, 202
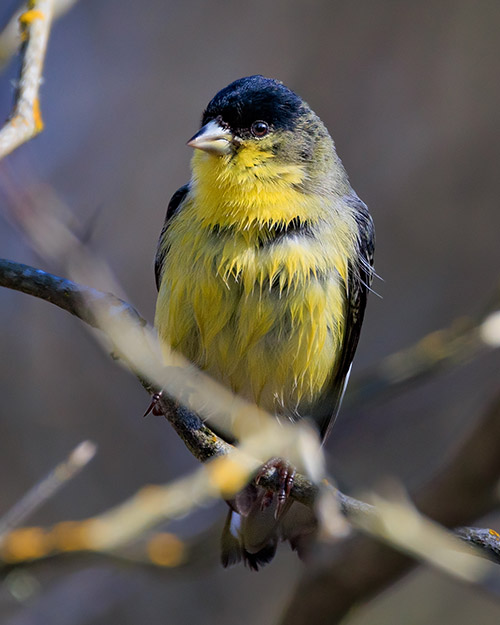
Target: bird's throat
251, 192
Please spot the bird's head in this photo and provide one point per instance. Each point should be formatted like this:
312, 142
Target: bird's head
257, 131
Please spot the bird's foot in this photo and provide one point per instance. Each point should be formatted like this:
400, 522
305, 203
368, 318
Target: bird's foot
286, 475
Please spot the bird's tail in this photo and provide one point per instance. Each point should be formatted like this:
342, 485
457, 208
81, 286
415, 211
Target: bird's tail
252, 532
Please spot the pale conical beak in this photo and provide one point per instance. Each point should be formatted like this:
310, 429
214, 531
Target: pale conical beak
212, 138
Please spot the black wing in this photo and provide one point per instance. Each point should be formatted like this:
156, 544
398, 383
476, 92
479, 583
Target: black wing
358, 285
161, 251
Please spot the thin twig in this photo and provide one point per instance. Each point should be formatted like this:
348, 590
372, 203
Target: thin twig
463, 340
47, 487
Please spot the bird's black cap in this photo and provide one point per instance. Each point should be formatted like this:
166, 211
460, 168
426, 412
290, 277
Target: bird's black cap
253, 98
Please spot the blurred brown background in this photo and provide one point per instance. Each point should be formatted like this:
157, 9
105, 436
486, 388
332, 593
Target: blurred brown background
410, 92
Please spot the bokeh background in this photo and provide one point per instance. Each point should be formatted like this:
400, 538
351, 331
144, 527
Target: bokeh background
410, 92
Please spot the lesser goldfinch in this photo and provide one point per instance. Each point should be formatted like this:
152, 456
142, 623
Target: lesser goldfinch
263, 267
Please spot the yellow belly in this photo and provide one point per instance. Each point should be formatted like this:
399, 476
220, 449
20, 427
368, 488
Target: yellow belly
266, 321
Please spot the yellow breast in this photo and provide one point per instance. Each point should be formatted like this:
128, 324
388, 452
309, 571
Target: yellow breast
262, 312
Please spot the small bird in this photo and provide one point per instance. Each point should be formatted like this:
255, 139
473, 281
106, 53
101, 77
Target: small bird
263, 267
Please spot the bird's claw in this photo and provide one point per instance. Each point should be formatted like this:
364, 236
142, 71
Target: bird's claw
286, 475
155, 406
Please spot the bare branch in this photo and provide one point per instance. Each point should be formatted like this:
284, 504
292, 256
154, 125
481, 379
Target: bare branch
11, 35
487, 541
26, 121
65, 294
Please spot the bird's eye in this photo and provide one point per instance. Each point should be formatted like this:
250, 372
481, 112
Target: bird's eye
259, 129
